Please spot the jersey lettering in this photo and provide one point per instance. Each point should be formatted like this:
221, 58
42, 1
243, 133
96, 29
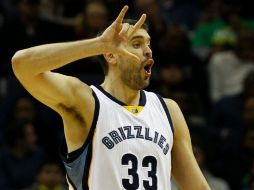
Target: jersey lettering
135, 132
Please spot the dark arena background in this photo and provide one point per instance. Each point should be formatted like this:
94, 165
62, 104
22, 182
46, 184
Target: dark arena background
204, 60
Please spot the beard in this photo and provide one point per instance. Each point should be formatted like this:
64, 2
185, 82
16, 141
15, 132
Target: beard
132, 77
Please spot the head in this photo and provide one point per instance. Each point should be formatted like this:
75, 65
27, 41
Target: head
133, 74
96, 15
50, 174
29, 9
150, 7
21, 134
25, 109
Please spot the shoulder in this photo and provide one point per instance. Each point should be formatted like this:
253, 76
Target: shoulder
172, 106
177, 117
79, 86
170, 103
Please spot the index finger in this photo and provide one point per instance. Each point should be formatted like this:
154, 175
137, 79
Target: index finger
121, 15
138, 24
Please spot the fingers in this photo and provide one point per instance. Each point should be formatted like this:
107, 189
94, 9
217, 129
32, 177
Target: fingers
129, 30
124, 29
138, 24
121, 15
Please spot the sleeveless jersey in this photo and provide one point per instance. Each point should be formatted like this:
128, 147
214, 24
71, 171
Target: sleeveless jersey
125, 149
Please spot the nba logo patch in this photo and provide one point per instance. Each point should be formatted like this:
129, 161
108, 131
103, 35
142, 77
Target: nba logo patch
134, 110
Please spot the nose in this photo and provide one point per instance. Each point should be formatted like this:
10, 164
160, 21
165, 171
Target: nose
148, 51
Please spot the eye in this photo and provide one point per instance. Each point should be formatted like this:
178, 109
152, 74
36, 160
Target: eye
136, 45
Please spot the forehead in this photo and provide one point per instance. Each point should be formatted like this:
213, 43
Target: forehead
141, 33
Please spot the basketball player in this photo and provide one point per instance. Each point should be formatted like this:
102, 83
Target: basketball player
118, 136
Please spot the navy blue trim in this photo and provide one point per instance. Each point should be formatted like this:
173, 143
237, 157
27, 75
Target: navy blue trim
166, 111
71, 182
90, 146
76, 153
72, 155
87, 167
142, 100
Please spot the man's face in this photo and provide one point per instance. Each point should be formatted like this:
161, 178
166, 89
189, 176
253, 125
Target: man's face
136, 75
30, 138
50, 175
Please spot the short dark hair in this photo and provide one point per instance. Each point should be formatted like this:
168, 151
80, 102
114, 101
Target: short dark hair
101, 58
48, 160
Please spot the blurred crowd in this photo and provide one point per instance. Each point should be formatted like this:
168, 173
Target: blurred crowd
204, 60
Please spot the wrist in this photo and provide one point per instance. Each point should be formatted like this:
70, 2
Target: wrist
102, 44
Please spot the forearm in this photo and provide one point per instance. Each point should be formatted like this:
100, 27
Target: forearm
186, 172
39, 59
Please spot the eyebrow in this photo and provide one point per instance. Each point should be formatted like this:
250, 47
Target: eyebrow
139, 36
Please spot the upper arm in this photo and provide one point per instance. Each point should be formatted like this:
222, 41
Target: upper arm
185, 169
52, 89
68, 96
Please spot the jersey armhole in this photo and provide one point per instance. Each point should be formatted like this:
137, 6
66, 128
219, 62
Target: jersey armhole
167, 112
72, 156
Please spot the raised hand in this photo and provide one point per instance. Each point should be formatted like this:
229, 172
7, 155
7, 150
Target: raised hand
119, 32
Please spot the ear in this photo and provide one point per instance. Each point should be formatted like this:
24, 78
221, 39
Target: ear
110, 58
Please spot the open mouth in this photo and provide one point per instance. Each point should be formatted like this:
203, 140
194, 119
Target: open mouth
148, 66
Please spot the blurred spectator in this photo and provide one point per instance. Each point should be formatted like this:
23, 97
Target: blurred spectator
17, 108
208, 23
218, 17
21, 157
94, 18
227, 69
184, 13
8, 8
25, 107
182, 70
115, 5
234, 112
53, 10
215, 183
27, 29
175, 49
49, 177
157, 23
230, 118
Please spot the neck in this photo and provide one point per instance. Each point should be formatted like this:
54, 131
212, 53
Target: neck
121, 92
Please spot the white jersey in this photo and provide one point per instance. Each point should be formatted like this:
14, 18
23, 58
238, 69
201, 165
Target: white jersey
128, 147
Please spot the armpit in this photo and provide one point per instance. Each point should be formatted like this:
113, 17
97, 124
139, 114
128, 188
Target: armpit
72, 111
